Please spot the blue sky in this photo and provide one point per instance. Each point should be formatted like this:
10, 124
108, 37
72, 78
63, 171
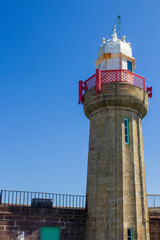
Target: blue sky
46, 47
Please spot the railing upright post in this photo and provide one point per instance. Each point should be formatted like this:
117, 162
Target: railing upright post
1, 197
80, 100
98, 81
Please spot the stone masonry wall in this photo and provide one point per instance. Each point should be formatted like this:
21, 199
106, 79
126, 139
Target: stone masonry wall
18, 220
116, 188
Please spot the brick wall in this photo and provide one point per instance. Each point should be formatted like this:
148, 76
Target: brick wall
154, 223
72, 223
18, 220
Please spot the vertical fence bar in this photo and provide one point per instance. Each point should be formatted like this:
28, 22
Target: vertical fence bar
53, 200
63, 201
12, 197
80, 100
1, 197
69, 201
20, 199
98, 81
66, 202
73, 201
49, 196
45, 203
8, 198
56, 200
16, 197
4, 198
42, 195
27, 199
23, 198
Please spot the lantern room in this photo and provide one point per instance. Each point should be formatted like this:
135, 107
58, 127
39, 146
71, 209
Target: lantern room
115, 54
114, 64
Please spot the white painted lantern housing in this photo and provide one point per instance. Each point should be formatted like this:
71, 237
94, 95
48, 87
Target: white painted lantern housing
115, 54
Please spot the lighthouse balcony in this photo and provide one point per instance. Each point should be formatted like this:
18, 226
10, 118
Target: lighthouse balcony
109, 76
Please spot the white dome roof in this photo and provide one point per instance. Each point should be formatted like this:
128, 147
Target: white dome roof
115, 46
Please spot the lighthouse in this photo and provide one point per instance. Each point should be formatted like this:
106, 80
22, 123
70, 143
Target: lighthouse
115, 101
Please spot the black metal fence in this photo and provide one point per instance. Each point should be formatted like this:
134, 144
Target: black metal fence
41, 199
49, 200
153, 200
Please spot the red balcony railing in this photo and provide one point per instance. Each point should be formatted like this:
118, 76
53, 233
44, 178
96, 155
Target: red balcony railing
102, 77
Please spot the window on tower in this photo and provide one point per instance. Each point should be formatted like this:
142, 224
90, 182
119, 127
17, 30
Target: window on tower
129, 65
130, 234
126, 130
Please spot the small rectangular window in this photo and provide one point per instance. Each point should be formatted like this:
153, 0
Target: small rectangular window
130, 234
126, 130
129, 65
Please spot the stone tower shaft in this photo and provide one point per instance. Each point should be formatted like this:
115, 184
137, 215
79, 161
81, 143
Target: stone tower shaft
116, 188
115, 101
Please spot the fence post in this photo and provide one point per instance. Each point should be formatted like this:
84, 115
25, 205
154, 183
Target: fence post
98, 81
80, 92
0, 197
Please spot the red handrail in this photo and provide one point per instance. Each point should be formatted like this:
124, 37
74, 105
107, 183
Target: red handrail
120, 75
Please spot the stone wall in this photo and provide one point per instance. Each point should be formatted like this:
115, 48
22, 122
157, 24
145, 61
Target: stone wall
28, 221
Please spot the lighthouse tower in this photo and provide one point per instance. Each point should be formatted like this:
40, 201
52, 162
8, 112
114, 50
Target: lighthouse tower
115, 102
